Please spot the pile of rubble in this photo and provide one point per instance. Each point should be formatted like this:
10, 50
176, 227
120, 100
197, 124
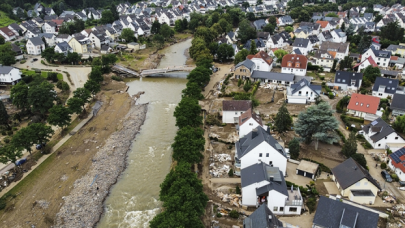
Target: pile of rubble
84, 206
219, 171
232, 199
232, 137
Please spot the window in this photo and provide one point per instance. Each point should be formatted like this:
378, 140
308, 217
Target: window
275, 208
260, 155
236, 113
293, 209
379, 144
270, 162
267, 155
366, 183
250, 124
358, 183
396, 138
281, 208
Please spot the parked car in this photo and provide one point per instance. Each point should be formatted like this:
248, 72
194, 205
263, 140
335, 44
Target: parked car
402, 183
386, 176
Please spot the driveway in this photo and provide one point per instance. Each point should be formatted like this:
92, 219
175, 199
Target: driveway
294, 178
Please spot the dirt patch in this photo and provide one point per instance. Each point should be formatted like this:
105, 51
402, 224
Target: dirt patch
55, 177
329, 155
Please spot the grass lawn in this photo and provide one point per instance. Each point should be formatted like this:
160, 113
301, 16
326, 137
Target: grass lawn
43, 73
4, 20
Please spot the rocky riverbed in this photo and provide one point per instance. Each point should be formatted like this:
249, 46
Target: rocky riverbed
84, 205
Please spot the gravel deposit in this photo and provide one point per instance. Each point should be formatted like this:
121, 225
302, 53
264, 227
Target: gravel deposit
84, 206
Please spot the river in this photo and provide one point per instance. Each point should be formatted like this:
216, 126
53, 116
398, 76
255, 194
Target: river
133, 201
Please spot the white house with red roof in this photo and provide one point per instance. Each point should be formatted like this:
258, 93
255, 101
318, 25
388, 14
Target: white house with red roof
248, 121
396, 162
7, 33
360, 105
262, 61
294, 64
365, 63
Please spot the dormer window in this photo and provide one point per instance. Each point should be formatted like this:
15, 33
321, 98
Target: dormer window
297, 64
361, 104
357, 103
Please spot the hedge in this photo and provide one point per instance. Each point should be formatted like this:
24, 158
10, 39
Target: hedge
341, 135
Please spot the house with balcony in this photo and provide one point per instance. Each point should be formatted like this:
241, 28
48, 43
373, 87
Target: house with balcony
63, 48
341, 49
304, 45
265, 184
303, 92
259, 145
369, 61
281, 79
381, 135
385, 87
262, 217
346, 80
80, 44
355, 182
398, 105
324, 59
244, 69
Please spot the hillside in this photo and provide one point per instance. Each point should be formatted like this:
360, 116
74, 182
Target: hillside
4, 20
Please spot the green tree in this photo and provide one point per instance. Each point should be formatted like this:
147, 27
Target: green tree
289, 29
213, 48
399, 124
107, 17
294, 147
73, 57
331, 14
4, 117
166, 31
269, 28
392, 31
280, 53
246, 31
200, 75
7, 55
109, 59
294, 4
48, 54
188, 145
41, 97
75, 105
59, 116
350, 146
343, 28
241, 56
187, 113
250, 16
346, 63
283, 120
10, 153
253, 50
359, 158
193, 90
204, 33
225, 51
159, 40
35, 133
19, 96
245, 5
183, 199
2, 40
371, 73
92, 86
128, 35
96, 74
114, 12
178, 26
82, 94
62, 85
317, 123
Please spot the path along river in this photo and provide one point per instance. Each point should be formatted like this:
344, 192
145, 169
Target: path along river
133, 201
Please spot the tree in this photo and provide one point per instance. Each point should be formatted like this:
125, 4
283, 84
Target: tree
350, 146
35, 133
92, 86
59, 116
128, 35
334, 65
73, 57
378, 18
200, 75
317, 123
155, 27
245, 5
359, 158
253, 50
192, 90
82, 94
166, 31
107, 17
41, 97
188, 145
75, 105
283, 119
294, 147
294, 4
187, 113
346, 63
19, 95
241, 56
7, 55
250, 16
392, 31
272, 20
213, 47
159, 40
364, 44
289, 29
4, 117
114, 12
62, 85
2, 40
10, 153
204, 33
371, 73
399, 124
109, 59
269, 28
331, 14
343, 28
96, 74
280, 53
178, 26
225, 51
246, 31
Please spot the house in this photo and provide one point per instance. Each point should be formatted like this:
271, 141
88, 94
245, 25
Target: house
396, 49
9, 75
382, 58
231, 37
398, 105
244, 69
397, 62
332, 213
262, 217
35, 46
325, 26
81, 16
304, 45
248, 121
294, 64
369, 61
262, 61
381, 135
272, 77
17, 52
360, 105
232, 109
308, 169
396, 162
259, 24
79, 44
105, 49
260, 45
284, 20
355, 182
7, 34
63, 48
15, 29
98, 39
50, 27
325, 36
133, 45
346, 80
63, 38
275, 41
314, 40
341, 49
302, 92
263, 184
49, 11
49, 38
324, 59
384, 87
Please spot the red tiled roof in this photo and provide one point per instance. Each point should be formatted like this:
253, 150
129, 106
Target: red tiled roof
323, 23
399, 165
58, 21
394, 57
249, 114
7, 31
370, 59
294, 61
363, 103
261, 55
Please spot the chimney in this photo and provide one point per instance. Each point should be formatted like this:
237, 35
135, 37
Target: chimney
271, 178
270, 218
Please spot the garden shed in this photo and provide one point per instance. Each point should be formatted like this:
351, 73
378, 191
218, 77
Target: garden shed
307, 169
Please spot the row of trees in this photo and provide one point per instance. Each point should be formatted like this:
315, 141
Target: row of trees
51, 56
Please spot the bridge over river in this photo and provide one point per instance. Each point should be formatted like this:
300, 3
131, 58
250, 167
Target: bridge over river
150, 72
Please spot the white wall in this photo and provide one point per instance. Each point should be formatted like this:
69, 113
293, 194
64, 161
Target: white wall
276, 199
382, 94
306, 92
296, 100
262, 65
247, 127
230, 116
12, 76
383, 142
287, 70
249, 197
397, 171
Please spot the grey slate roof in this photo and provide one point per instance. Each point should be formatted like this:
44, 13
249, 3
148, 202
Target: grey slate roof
301, 42
347, 77
247, 63
272, 76
350, 172
253, 139
297, 51
261, 218
398, 102
5, 69
64, 46
333, 213
391, 85
36, 41
302, 83
313, 39
386, 129
236, 105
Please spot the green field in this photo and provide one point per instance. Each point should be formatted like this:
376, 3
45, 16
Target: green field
4, 20
43, 73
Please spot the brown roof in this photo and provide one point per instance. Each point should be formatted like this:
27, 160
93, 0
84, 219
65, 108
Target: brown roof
249, 114
243, 105
58, 21
364, 103
262, 55
7, 31
294, 61
323, 23
394, 57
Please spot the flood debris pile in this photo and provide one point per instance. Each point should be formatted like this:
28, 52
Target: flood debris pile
84, 205
221, 165
232, 199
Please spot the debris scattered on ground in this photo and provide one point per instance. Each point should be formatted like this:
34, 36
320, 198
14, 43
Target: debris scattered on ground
232, 199
42, 204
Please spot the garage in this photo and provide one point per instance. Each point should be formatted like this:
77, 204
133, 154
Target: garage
296, 100
307, 169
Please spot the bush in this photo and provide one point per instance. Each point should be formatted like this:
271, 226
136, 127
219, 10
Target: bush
23, 61
6, 140
230, 173
311, 204
341, 135
237, 190
395, 177
383, 165
239, 82
52, 76
212, 120
116, 78
367, 145
3, 133
322, 78
219, 215
331, 95
9, 132
234, 214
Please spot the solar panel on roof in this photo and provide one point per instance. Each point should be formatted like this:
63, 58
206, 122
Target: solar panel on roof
302, 83
396, 155
374, 122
